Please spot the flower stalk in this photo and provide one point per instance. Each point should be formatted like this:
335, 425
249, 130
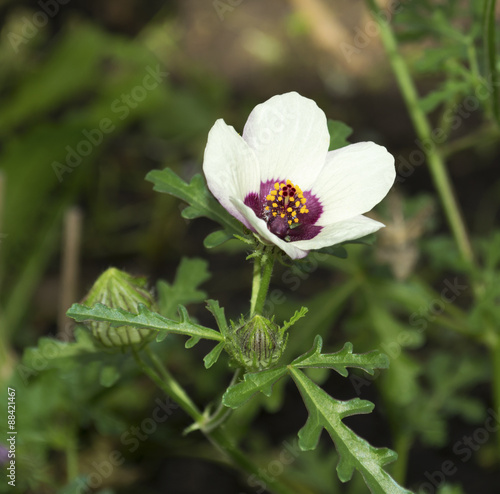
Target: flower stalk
262, 272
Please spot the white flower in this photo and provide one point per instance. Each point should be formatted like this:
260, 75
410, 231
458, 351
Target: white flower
281, 182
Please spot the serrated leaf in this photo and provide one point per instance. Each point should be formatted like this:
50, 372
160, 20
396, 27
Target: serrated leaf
262, 381
339, 132
144, 319
200, 200
299, 314
191, 273
220, 317
355, 453
214, 355
217, 238
341, 360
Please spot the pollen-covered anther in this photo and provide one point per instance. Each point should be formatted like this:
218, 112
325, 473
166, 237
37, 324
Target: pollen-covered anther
286, 200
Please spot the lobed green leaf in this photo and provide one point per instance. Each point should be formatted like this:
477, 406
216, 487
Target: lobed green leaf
339, 361
339, 132
355, 453
144, 319
200, 200
262, 381
218, 313
191, 273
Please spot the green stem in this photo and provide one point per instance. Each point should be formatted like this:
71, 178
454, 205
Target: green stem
165, 381
402, 447
222, 413
71, 456
220, 440
425, 134
262, 279
490, 49
174, 389
495, 356
257, 277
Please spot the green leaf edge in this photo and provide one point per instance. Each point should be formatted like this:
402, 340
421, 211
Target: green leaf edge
143, 319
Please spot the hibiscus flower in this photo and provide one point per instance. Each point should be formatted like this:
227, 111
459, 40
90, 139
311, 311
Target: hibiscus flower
282, 183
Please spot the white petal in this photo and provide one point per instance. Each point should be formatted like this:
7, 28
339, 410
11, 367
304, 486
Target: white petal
354, 179
290, 138
342, 231
230, 167
260, 227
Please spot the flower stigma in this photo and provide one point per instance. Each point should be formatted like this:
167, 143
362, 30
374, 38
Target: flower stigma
284, 203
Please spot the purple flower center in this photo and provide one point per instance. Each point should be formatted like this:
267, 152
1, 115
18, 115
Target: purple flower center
289, 212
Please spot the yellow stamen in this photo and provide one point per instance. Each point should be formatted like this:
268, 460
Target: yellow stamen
286, 200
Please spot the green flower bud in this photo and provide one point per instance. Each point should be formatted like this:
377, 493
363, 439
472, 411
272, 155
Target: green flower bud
119, 290
257, 344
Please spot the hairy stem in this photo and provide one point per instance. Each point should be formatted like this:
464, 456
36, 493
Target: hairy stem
262, 279
257, 278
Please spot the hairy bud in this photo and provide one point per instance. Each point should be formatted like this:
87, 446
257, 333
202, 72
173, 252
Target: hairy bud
257, 344
119, 290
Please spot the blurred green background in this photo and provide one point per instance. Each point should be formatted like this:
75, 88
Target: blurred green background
93, 95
